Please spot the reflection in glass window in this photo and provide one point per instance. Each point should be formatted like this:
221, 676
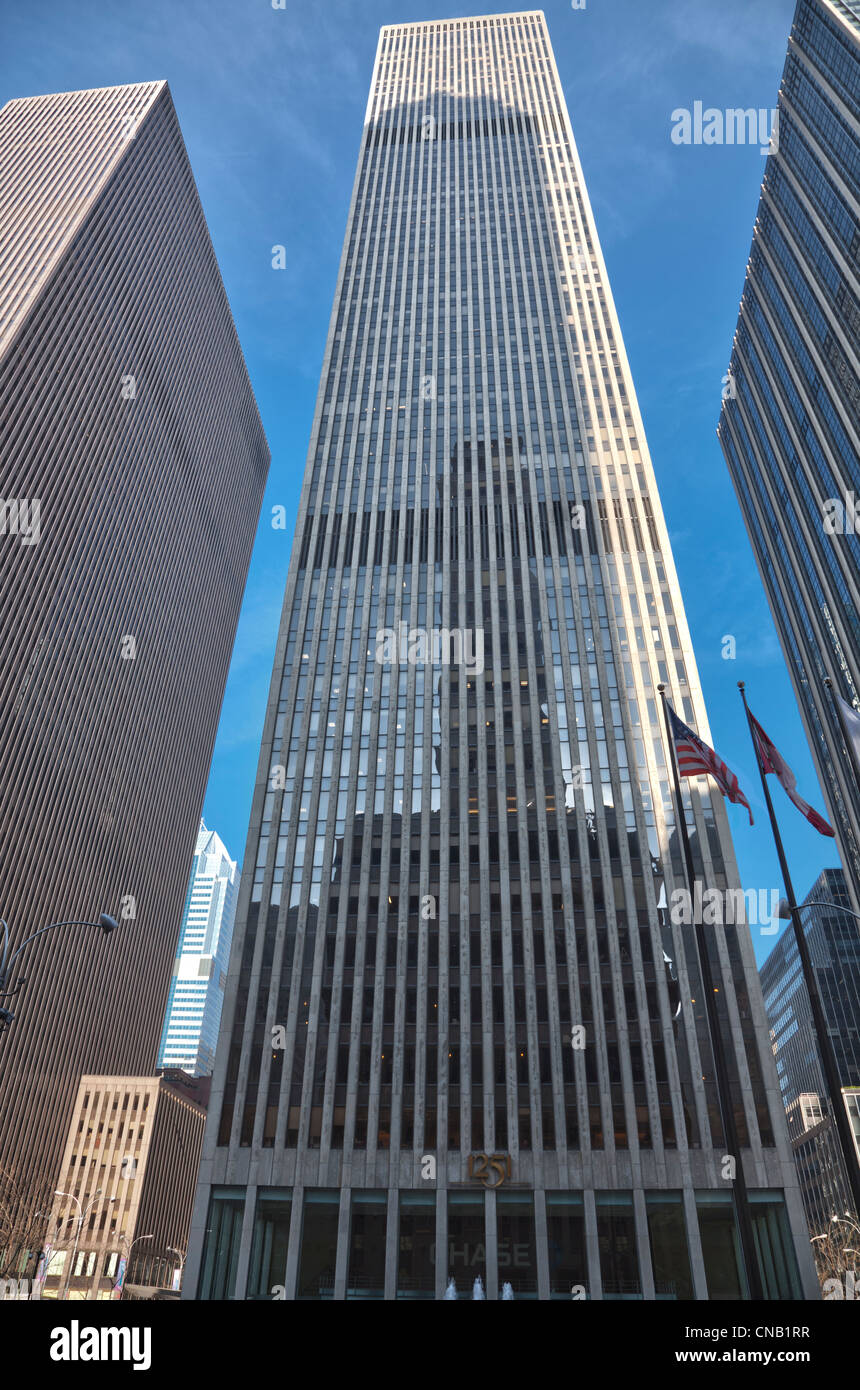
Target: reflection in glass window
366, 1277
616, 1237
221, 1251
515, 1224
467, 1251
416, 1267
773, 1244
720, 1244
319, 1244
667, 1235
568, 1265
269, 1247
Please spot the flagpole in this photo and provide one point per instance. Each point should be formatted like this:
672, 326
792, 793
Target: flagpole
840, 717
822, 1035
724, 1096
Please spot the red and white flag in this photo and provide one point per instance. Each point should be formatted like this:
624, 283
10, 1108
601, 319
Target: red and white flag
772, 761
851, 720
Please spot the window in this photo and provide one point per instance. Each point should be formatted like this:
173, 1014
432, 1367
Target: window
720, 1245
515, 1219
667, 1235
568, 1265
221, 1251
319, 1244
616, 1238
416, 1276
271, 1237
368, 1222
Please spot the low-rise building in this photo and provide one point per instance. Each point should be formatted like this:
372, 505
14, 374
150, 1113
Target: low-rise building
121, 1213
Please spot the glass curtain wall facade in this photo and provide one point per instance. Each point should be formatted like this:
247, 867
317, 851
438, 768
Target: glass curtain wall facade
834, 945
451, 984
790, 425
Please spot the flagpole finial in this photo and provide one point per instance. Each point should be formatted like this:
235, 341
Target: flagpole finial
741, 685
661, 688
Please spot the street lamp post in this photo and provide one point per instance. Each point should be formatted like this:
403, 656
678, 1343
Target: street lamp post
183, 1256
43, 1253
68, 1279
81, 1219
784, 910
846, 1221
106, 923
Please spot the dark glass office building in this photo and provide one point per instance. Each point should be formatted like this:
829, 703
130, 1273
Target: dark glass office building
461, 1039
132, 472
790, 426
834, 945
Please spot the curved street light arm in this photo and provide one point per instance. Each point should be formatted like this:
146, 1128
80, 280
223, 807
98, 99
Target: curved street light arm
815, 902
106, 923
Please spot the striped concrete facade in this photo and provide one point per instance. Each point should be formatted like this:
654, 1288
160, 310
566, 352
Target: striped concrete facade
129, 1169
128, 420
790, 427
456, 858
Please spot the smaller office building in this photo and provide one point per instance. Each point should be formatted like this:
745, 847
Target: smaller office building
119, 1224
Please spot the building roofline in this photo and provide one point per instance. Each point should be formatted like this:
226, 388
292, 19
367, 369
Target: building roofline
464, 19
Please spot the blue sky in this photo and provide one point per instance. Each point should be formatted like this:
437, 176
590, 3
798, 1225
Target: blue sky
271, 104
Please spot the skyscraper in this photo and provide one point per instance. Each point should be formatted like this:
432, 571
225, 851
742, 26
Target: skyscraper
460, 1038
834, 945
789, 425
132, 474
190, 1030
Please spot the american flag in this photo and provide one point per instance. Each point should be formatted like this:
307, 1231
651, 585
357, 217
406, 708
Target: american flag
772, 761
695, 757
